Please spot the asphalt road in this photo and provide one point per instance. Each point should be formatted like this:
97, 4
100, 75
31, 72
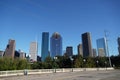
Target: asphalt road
84, 75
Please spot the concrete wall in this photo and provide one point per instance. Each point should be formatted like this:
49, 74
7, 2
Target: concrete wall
42, 71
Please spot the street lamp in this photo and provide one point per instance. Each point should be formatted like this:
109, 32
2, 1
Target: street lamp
72, 63
97, 65
106, 65
55, 58
84, 60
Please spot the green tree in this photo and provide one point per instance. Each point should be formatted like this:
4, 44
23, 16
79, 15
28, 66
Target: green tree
78, 62
90, 63
48, 62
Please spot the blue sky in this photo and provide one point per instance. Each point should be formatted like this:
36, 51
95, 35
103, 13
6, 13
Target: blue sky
23, 20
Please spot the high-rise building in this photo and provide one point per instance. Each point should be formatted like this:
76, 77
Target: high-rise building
118, 45
10, 49
101, 43
80, 49
56, 45
45, 45
69, 51
87, 45
101, 52
1, 53
22, 54
33, 51
94, 53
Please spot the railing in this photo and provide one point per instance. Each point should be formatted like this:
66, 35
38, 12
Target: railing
41, 71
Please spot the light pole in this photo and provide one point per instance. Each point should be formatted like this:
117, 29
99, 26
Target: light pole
84, 60
55, 58
72, 63
97, 65
106, 65
107, 49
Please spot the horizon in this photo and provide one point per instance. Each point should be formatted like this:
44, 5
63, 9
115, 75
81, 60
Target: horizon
23, 20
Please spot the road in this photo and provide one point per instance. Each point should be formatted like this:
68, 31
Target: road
84, 75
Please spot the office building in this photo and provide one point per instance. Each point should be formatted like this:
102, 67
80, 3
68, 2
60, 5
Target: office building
56, 45
22, 54
94, 53
10, 49
87, 45
45, 45
33, 51
101, 52
80, 49
1, 53
69, 51
101, 43
118, 45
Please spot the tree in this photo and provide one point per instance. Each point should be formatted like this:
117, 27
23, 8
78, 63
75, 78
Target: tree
90, 63
78, 62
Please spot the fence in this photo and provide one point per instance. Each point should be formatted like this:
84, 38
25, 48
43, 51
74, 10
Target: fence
41, 71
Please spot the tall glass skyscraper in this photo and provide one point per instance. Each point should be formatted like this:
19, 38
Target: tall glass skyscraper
118, 45
102, 47
56, 45
45, 45
87, 45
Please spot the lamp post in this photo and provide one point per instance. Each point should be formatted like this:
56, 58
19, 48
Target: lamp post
72, 63
97, 65
55, 58
84, 60
106, 65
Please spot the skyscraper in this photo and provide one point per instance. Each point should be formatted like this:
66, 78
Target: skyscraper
101, 52
69, 51
10, 49
56, 45
118, 45
87, 46
80, 49
33, 51
1, 53
45, 45
94, 53
101, 44
22, 54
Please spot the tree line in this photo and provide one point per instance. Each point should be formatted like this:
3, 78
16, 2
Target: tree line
60, 62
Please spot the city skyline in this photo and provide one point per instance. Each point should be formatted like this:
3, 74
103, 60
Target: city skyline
22, 20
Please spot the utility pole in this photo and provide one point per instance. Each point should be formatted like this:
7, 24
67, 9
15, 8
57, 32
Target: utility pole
107, 48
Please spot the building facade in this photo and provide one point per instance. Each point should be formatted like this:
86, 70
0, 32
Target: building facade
45, 45
33, 51
101, 52
94, 53
87, 45
69, 51
22, 54
10, 49
56, 45
101, 44
80, 49
1, 53
118, 40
